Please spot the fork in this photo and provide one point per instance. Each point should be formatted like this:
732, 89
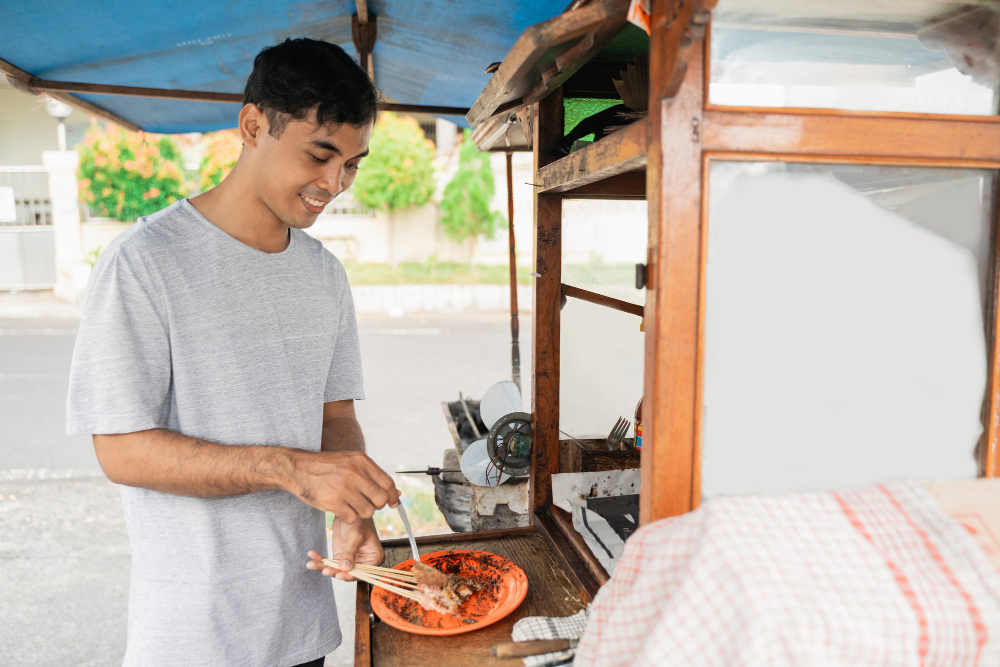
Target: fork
617, 434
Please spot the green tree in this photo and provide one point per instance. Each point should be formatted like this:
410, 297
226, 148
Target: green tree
126, 175
398, 172
465, 205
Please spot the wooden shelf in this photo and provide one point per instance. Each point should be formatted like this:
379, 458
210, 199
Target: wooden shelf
621, 151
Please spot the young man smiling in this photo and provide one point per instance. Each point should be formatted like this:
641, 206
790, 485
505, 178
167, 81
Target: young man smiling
217, 365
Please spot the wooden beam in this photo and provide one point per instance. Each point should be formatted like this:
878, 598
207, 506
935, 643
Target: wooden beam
363, 618
548, 128
602, 300
533, 57
628, 186
670, 460
621, 151
364, 28
21, 80
854, 134
136, 91
990, 441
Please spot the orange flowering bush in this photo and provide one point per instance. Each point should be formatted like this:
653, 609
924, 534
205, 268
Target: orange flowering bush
220, 150
126, 175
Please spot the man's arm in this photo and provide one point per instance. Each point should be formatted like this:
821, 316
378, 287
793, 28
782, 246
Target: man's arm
341, 430
344, 482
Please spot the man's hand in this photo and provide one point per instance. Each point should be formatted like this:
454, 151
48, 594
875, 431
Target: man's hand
349, 484
352, 543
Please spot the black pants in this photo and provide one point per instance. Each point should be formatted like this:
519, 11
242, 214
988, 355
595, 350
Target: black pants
318, 662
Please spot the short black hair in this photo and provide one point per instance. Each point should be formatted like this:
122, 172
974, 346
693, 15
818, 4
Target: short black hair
292, 78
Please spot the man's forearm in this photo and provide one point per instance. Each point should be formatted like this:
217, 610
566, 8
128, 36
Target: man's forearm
343, 434
173, 463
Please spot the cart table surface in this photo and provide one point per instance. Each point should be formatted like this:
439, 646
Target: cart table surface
550, 593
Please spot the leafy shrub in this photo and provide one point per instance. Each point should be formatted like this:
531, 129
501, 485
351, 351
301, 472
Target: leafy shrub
398, 173
220, 151
126, 175
465, 205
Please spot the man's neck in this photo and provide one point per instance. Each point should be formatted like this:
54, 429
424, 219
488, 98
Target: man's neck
232, 207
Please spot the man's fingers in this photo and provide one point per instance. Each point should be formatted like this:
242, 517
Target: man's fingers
349, 554
363, 508
376, 494
386, 482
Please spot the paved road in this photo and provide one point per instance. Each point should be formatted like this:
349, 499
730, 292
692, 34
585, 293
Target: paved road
64, 553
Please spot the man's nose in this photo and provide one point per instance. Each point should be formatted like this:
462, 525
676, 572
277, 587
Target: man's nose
333, 182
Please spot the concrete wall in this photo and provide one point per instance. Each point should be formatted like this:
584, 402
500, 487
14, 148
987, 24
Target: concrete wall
26, 129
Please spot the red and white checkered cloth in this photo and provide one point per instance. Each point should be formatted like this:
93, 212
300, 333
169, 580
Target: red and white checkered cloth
877, 576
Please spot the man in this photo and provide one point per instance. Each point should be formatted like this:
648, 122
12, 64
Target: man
216, 366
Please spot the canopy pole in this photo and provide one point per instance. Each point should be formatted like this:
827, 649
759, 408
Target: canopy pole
363, 31
514, 326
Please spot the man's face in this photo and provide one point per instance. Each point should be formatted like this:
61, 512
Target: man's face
303, 170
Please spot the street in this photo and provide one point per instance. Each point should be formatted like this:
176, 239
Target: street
64, 551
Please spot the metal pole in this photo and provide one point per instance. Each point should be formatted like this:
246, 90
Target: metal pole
514, 327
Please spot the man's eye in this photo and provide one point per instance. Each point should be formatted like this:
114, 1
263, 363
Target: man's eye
320, 160
354, 167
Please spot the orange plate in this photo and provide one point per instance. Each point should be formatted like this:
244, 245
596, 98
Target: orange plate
506, 590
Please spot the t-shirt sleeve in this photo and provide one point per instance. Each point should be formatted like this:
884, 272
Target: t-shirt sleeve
345, 380
120, 374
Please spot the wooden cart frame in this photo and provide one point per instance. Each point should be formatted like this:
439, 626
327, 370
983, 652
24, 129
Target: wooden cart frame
665, 159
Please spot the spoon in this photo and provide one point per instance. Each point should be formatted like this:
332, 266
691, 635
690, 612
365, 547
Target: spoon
409, 532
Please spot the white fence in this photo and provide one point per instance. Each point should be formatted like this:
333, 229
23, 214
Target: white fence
27, 234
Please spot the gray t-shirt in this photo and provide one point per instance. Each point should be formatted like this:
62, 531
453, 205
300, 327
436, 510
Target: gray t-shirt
187, 329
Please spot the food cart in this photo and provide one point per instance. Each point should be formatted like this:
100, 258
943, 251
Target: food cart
667, 158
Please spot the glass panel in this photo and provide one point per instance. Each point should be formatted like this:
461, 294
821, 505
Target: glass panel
601, 368
929, 56
602, 241
844, 339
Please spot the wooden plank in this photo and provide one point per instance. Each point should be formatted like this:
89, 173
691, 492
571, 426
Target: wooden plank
621, 151
571, 560
457, 537
564, 522
548, 126
669, 461
550, 593
362, 625
858, 136
628, 186
534, 53
602, 300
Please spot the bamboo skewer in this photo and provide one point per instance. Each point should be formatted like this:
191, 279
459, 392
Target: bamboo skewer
386, 572
392, 589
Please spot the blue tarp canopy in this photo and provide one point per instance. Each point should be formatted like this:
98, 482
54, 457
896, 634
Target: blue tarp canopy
426, 52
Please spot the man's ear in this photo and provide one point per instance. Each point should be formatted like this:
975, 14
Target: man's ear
253, 124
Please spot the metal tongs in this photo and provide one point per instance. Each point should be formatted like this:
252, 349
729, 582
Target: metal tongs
409, 532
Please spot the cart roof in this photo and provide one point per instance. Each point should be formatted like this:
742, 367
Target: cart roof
429, 53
